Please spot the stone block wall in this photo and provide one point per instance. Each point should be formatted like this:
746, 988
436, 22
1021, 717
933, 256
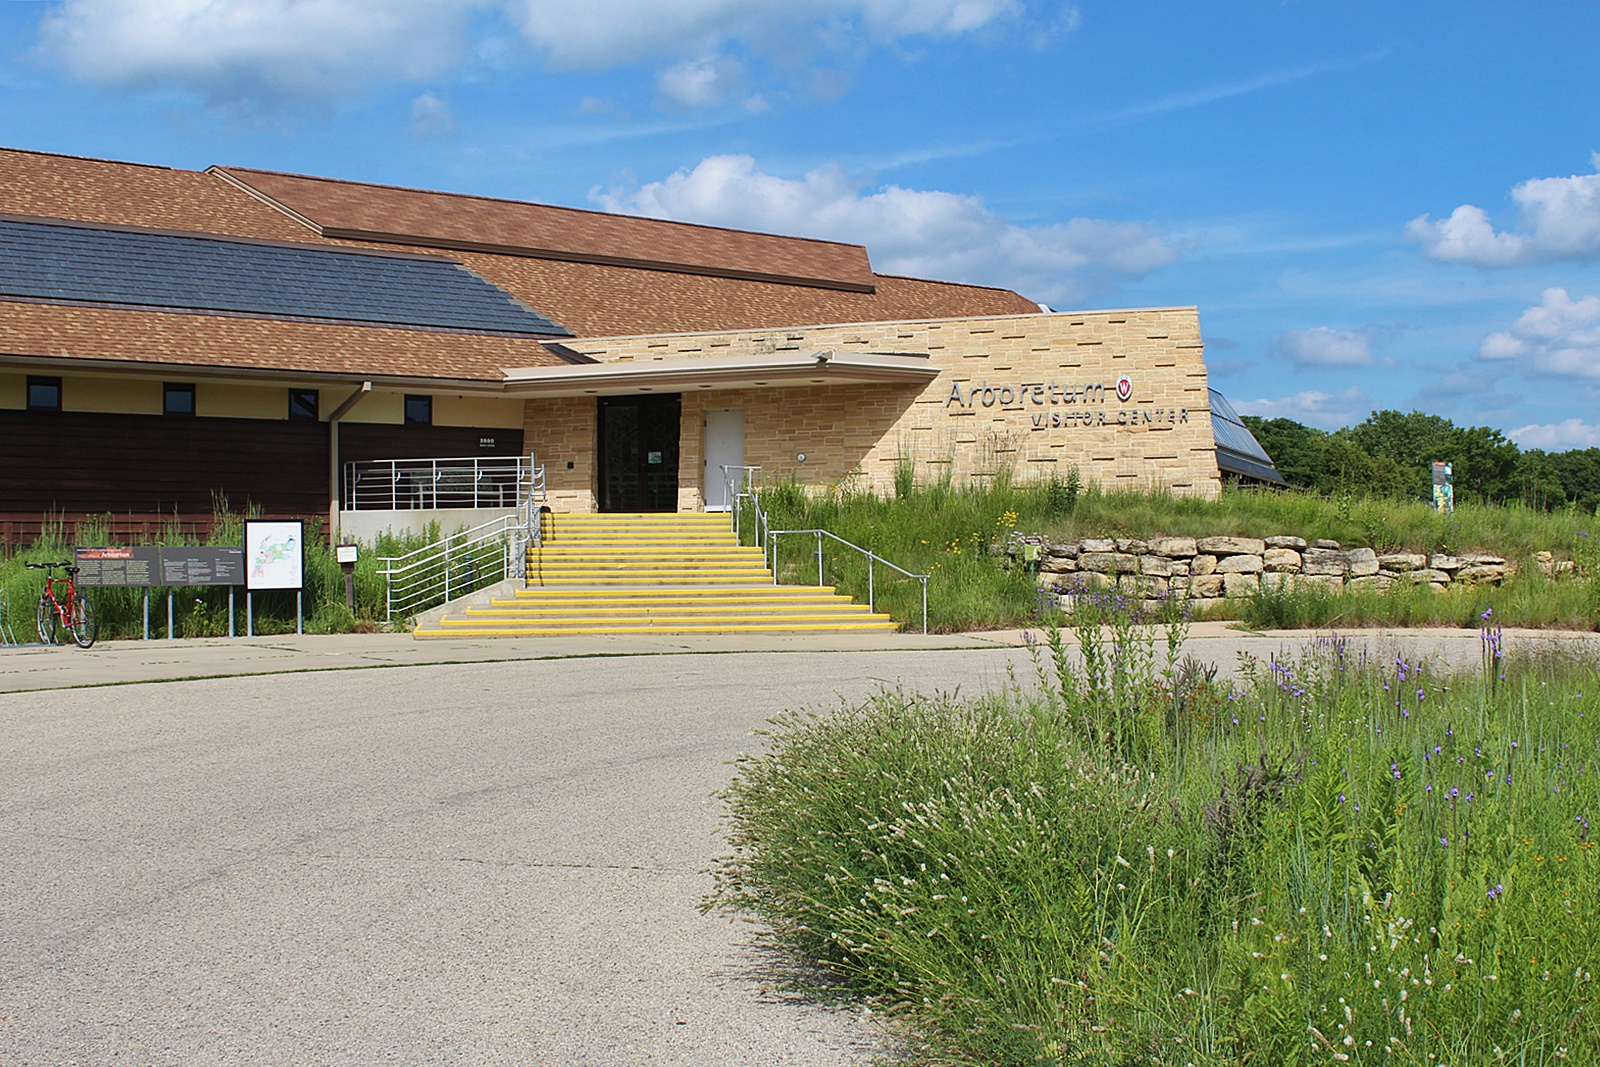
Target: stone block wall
1207, 570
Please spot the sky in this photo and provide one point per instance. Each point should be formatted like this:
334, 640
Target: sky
1374, 205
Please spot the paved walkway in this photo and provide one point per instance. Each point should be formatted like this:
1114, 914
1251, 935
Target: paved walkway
31, 667
349, 850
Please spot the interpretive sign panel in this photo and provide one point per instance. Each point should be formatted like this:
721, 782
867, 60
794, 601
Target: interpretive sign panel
274, 554
202, 565
115, 565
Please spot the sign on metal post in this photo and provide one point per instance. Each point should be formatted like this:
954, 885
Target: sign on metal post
1444, 496
274, 554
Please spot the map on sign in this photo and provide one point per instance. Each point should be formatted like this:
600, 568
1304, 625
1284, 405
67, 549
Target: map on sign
273, 555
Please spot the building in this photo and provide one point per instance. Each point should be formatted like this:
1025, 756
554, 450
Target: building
169, 338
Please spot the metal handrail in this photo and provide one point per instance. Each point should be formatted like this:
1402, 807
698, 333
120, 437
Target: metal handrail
448, 481
872, 559
463, 561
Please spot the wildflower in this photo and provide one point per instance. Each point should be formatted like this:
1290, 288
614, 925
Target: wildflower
1487, 613
1421, 695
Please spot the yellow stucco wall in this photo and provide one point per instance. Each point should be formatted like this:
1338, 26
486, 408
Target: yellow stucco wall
1028, 396
13, 390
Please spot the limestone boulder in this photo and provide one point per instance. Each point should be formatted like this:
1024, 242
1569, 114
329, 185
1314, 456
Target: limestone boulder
1324, 543
1132, 546
1057, 565
1091, 544
1378, 581
1180, 568
1330, 583
1328, 562
1157, 566
1203, 564
1063, 549
1239, 565
1482, 574
1284, 541
1439, 561
1174, 547
1142, 586
1282, 560
1363, 562
1402, 561
1108, 562
1231, 546
1236, 585
1204, 586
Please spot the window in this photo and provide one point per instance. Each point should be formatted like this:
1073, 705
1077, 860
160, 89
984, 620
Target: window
303, 404
177, 399
44, 394
419, 410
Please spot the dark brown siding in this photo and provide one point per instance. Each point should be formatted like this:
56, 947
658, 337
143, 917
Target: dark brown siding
147, 474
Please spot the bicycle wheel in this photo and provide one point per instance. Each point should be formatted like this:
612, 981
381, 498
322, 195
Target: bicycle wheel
47, 620
85, 623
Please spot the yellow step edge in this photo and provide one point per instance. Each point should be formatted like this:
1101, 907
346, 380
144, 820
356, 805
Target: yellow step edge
599, 630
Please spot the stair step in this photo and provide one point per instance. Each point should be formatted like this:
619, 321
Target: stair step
654, 574
554, 631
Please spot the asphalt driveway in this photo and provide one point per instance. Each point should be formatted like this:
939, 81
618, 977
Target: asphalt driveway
473, 853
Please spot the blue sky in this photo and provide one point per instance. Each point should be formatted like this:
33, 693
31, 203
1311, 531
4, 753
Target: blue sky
1374, 205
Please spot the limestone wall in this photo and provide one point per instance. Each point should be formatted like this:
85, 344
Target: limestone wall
1207, 569
1027, 396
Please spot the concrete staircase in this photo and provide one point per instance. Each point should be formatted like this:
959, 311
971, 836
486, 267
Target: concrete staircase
652, 574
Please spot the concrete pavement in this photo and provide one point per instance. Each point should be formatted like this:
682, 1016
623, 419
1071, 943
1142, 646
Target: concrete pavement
345, 850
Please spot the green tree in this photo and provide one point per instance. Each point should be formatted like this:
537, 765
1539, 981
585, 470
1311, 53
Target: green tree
1296, 449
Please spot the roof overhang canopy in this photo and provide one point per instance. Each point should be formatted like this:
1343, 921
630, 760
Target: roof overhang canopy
771, 370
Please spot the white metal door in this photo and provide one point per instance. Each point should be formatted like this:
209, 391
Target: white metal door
724, 448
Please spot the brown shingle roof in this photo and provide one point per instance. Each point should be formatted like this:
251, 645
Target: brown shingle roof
133, 194
594, 300
450, 220
238, 343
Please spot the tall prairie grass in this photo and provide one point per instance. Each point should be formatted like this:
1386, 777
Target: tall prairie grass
957, 535
1341, 860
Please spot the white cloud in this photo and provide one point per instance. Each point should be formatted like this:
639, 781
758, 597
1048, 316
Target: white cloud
1327, 411
923, 233
256, 54
603, 33
701, 83
1557, 437
1325, 347
430, 117
1559, 219
1557, 338
265, 55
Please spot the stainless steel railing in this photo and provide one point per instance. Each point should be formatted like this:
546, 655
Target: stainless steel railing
446, 482
467, 560
740, 489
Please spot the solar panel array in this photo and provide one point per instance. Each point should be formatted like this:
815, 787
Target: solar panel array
1238, 451
73, 263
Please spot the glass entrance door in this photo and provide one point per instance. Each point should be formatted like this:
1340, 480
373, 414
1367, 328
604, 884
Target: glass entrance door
639, 452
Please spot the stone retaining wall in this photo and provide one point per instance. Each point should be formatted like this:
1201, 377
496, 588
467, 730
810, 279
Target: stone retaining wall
1209, 569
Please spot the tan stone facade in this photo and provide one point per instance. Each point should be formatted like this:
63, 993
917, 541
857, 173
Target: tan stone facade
1029, 396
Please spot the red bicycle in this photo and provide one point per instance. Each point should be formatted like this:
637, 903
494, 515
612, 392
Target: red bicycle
62, 607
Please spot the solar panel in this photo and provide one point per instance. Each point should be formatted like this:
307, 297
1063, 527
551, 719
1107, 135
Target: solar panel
73, 263
1238, 451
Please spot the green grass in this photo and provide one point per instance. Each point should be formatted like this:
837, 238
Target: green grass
1345, 860
203, 611
958, 535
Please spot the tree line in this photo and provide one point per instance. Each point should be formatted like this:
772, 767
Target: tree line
1391, 454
